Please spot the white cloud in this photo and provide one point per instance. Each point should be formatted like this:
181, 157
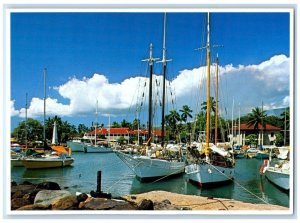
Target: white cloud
250, 85
13, 111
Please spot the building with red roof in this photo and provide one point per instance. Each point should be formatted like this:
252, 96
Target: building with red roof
113, 134
266, 136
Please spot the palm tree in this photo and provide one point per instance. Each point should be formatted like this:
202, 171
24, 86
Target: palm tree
212, 105
185, 113
171, 120
257, 117
285, 118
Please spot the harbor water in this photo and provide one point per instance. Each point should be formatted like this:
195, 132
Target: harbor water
119, 180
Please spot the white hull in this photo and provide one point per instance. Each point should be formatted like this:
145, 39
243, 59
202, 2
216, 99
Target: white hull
96, 149
145, 167
208, 174
88, 148
279, 177
41, 163
75, 146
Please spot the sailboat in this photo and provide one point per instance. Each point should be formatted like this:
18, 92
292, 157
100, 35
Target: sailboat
147, 167
89, 147
57, 156
217, 164
278, 170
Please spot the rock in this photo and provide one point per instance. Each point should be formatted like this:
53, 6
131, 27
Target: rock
82, 197
49, 196
48, 186
81, 204
26, 183
18, 202
166, 205
13, 183
23, 188
66, 203
105, 204
145, 204
18, 194
35, 207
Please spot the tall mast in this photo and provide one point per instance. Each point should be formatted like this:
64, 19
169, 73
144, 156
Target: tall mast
95, 125
208, 88
240, 125
217, 93
262, 123
284, 133
26, 132
232, 122
108, 130
164, 62
44, 127
150, 61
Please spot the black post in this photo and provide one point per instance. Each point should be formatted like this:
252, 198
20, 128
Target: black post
163, 108
150, 105
99, 181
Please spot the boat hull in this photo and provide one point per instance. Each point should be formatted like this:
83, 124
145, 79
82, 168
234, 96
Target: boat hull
262, 156
278, 177
87, 148
16, 163
41, 163
146, 168
96, 149
206, 174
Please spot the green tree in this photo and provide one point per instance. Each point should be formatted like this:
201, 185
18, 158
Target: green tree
285, 124
171, 121
251, 139
34, 131
135, 124
212, 105
185, 113
65, 130
81, 129
115, 125
279, 139
125, 124
257, 117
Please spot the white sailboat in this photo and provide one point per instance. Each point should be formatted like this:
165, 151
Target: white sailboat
147, 167
278, 170
217, 166
57, 157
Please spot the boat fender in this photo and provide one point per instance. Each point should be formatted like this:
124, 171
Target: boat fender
262, 169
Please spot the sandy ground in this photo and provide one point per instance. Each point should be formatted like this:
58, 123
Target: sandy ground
202, 203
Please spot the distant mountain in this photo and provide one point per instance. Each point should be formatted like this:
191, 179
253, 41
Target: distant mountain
275, 112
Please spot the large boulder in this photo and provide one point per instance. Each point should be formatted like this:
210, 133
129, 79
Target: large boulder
145, 204
35, 207
24, 189
48, 186
49, 196
18, 202
105, 204
65, 203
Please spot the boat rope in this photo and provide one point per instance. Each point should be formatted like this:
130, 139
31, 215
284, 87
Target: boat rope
161, 178
236, 182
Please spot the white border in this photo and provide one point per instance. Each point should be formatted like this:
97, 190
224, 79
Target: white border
130, 8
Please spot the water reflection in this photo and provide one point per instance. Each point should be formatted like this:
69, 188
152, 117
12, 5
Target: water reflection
118, 179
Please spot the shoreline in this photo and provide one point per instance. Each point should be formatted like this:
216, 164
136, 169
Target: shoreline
49, 196
196, 202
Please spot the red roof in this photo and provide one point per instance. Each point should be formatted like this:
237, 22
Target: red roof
267, 127
122, 131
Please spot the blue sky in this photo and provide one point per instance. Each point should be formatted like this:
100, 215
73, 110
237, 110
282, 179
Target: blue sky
76, 46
